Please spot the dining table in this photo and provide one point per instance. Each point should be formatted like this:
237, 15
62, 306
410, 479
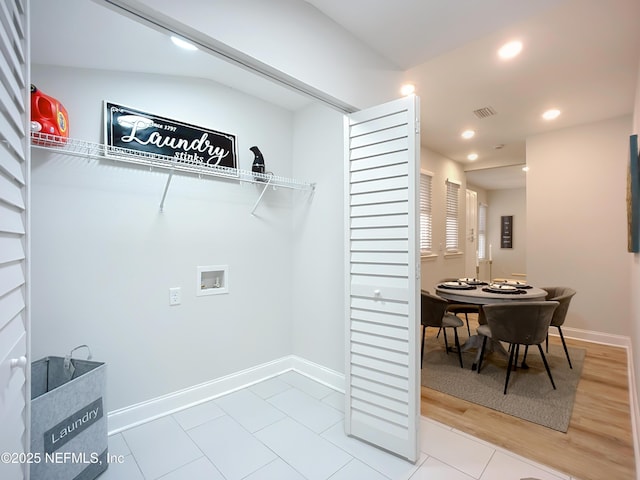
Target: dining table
482, 293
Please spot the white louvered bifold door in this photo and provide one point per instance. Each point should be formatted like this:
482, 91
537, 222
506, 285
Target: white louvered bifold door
382, 276
14, 175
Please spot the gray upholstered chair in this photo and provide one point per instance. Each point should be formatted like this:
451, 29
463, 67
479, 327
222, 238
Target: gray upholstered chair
434, 314
461, 308
517, 323
562, 295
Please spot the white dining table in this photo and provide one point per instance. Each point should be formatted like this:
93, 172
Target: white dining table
478, 295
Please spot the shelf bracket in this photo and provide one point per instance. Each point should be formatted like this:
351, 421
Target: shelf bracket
261, 195
166, 188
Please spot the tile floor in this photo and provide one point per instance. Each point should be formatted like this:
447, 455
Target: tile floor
290, 428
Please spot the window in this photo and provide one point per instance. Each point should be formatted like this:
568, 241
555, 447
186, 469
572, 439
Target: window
482, 232
426, 219
451, 226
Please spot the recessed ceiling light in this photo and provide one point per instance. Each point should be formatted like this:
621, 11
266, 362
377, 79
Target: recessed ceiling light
183, 43
472, 156
551, 114
407, 89
525, 169
510, 50
468, 134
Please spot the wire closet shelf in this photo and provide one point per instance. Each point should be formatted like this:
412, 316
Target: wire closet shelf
81, 148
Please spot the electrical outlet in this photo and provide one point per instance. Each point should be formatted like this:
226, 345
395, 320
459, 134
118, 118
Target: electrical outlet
175, 296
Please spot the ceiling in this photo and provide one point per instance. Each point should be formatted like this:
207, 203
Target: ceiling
580, 56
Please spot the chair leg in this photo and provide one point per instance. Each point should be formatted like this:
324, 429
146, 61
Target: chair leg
466, 317
455, 332
512, 351
484, 344
446, 343
547, 342
566, 351
523, 364
546, 365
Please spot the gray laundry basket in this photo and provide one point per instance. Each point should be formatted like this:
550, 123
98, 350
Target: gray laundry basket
68, 421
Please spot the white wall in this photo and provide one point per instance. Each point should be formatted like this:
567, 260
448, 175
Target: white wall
439, 266
507, 261
104, 257
317, 291
295, 38
577, 221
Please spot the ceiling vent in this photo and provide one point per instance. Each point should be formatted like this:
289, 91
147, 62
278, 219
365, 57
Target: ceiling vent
484, 112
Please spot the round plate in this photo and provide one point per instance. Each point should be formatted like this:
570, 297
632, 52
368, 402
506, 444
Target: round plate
503, 287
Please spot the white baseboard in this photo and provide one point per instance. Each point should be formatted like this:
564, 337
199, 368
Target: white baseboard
594, 337
324, 375
133, 415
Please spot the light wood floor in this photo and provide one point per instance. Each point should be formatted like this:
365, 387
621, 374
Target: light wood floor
598, 444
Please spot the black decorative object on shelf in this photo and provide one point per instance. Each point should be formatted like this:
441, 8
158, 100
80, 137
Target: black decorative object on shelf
258, 163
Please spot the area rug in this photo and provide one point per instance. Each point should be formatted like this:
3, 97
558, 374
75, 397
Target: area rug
530, 395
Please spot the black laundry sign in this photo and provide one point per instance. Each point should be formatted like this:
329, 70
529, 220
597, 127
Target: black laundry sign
145, 132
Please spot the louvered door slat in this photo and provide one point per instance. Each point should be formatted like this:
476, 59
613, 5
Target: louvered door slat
392, 158
380, 371
383, 330
386, 390
390, 171
382, 318
399, 381
10, 166
381, 175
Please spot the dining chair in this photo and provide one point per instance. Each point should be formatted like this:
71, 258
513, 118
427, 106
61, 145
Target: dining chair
434, 314
461, 308
563, 295
517, 323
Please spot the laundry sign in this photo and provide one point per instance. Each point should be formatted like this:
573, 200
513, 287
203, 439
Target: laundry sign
140, 131
73, 425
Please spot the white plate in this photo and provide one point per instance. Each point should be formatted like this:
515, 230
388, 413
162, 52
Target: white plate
516, 283
467, 280
455, 284
496, 286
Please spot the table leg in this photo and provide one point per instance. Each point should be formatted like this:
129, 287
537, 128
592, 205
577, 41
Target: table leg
492, 346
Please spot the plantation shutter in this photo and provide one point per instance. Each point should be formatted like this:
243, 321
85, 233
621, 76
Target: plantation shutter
14, 181
452, 243
426, 218
382, 276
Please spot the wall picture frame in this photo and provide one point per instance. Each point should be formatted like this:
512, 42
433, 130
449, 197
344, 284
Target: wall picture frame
506, 231
633, 196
